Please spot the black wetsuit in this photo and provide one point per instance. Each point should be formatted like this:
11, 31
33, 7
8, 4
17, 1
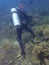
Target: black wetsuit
24, 18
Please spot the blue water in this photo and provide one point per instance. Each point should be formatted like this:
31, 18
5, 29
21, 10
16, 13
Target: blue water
5, 5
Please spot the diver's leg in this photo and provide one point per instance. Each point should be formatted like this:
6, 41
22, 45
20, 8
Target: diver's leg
32, 32
19, 33
41, 62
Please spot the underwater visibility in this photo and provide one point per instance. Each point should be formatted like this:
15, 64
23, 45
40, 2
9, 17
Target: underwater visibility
24, 32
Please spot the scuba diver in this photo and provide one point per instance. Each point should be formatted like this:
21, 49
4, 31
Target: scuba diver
24, 19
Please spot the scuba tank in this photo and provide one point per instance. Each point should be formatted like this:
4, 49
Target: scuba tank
15, 17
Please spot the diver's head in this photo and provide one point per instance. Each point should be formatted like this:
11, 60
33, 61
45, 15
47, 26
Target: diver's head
21, 5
